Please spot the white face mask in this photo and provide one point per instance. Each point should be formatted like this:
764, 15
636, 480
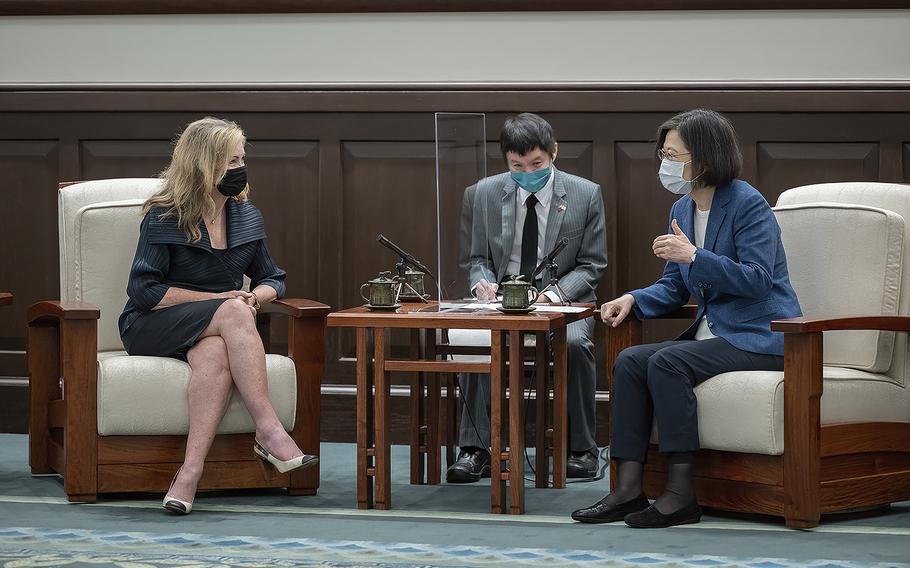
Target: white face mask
671, 176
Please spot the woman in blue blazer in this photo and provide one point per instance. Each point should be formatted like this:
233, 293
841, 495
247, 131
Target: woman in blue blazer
199, 237
723, 247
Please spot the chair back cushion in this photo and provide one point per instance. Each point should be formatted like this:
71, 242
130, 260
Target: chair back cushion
98, 229
890, 196
846, 259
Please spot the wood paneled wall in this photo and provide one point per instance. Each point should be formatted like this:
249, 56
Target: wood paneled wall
332, 168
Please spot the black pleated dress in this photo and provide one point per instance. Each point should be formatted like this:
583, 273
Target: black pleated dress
165, 258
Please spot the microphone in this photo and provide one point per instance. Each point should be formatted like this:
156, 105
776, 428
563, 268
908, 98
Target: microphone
405, 256
557, 248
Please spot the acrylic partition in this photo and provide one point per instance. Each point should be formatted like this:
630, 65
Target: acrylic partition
460, 164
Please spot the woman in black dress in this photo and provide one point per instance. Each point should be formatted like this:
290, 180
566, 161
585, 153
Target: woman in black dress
198, 238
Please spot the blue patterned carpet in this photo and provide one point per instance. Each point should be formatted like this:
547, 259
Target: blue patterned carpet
22, 547
429, 526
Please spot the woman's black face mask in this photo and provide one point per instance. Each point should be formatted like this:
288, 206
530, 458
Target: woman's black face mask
234, 182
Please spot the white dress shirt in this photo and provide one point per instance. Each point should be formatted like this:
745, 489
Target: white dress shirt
544, 195
701, 227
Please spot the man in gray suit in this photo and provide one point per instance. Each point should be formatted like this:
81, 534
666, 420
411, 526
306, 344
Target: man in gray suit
516, 219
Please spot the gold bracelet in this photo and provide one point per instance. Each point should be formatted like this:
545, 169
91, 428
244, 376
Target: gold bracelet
257, 305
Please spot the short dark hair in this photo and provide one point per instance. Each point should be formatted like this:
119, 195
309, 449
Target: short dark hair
710, 138
524, 132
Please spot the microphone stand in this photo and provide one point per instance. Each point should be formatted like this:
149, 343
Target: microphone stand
553, 269
404, 260
402, 281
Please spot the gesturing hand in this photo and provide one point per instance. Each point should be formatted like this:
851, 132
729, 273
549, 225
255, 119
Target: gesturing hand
674, 248
614, 311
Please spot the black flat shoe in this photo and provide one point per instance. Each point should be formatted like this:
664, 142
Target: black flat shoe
472, 464
651, 518
581, 465
600, 512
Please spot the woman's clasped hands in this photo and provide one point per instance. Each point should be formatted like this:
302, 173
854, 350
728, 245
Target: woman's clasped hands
241, 296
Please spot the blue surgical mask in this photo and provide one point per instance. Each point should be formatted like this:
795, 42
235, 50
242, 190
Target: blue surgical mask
533, 181
671, 176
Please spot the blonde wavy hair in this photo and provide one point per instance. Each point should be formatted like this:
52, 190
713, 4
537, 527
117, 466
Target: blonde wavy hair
200, 159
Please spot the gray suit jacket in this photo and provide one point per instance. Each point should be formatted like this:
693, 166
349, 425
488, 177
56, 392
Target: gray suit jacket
576, 212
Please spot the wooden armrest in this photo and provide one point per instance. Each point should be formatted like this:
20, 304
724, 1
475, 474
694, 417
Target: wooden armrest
686, 312
296, 308
62, 311
812, 325
5, 298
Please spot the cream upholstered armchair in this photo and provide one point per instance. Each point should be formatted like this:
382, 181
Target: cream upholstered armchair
832, 431
108, 422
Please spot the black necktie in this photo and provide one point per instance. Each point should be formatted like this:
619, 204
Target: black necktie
529, 239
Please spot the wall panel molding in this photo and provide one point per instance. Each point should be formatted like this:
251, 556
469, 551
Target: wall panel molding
120, 7
492, 97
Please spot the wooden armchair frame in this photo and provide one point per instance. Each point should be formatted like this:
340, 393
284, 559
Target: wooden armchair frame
63, 428
824, 469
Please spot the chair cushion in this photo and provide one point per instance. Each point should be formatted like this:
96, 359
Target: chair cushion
148, 396
105, 236
74, 197
478, 338
743, 411
890, 196
846, 260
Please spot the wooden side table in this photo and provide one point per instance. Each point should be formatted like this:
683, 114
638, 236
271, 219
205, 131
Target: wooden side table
373, 440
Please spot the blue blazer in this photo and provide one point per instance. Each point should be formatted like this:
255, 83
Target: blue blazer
739, 279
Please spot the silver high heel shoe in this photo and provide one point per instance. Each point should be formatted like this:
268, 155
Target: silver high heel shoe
175, 505
283, 466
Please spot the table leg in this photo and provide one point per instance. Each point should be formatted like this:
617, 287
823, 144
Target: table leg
434, 400
541, 406
383, 461
516, 424
560, 420
417, 419
497, 483
364, 422
451, 427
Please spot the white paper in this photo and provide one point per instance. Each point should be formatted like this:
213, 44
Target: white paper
477, 306
473, 306
560, 309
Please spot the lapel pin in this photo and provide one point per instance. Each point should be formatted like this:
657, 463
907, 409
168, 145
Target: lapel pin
560, 208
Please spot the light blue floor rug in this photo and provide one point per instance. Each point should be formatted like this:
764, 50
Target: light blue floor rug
443, 525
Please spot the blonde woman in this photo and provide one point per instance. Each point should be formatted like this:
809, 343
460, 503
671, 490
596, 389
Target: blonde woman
198, 238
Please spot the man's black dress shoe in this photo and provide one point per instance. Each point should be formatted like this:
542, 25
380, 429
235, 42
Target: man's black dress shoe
472, 464
651, 518
600, 512
581, 464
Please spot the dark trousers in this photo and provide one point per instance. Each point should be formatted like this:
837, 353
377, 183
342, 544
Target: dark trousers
474, 428
658, 380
